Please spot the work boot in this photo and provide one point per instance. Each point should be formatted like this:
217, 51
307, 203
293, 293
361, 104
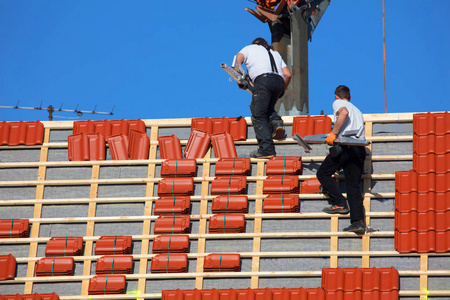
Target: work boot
278, 133
257, 154
357, 227
336, 210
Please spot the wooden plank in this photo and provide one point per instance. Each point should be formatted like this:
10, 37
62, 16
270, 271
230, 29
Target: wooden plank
37, 213
88, 245
257, 224
334, 241
148, 209
423, 281
201, 244
366, 189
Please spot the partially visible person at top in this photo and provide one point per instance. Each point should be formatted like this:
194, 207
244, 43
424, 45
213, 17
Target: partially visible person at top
270, 77
349, 122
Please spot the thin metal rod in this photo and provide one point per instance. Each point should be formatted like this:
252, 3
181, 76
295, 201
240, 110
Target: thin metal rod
384, 58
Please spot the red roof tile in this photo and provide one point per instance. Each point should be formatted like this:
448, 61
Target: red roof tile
176, 186
220, 125
118, 146
78, 147
139, 144
223, 145
7, 267
97, 147
411, 181
203, 124
233, 166
284, 165
310, 186
179, 168
431, 163
430, 241
230, 185
238, 128
107, 284
171, 244
197, 144
431, 143
169, 147
114, 264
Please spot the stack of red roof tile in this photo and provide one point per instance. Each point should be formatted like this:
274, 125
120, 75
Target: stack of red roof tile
266, 294
179, 168
107, 284
281, 203
132, 146
55, 266
222, 262
114, 264
233, 166
309, 125
176, 186
284, 165
360, 283
230, 185
7, 267
14, 228
172, 224
112, 245
169, 147
21, 133
169, 263
310, 186
281, 184
64, 246
422, 211
171, 244
230, 204
227, 223
172, 205
35, 296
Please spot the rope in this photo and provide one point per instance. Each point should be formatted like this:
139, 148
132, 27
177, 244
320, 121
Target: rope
168, 250
224, 219
232, 170
106, 281
114, 248
282, 203
65, 246
220, 261
53, 265
10, 230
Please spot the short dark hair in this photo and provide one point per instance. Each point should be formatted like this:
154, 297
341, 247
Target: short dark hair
343, 92
262, 42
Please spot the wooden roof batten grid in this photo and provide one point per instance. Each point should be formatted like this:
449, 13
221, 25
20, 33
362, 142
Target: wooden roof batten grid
424, 273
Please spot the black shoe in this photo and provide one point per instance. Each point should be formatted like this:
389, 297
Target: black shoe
336, 210
357, 227
278, 133
257, 154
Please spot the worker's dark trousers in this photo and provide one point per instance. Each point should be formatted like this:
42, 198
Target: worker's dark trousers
352, 161
267, 90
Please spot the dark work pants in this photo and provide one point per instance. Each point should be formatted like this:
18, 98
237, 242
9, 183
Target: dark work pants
352, 161
267, 90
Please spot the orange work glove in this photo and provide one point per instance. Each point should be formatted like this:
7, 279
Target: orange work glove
330, 138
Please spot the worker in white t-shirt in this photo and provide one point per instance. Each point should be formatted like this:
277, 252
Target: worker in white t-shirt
270, 77
349, 122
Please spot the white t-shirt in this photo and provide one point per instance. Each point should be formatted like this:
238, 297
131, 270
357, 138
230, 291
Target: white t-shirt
355, 119
257, 61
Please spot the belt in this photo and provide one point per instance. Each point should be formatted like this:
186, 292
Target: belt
272, 75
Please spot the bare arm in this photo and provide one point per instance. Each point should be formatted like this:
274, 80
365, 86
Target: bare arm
239, 59
342, 115
287, 77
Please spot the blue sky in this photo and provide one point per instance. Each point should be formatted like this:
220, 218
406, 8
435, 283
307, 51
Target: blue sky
161, 59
